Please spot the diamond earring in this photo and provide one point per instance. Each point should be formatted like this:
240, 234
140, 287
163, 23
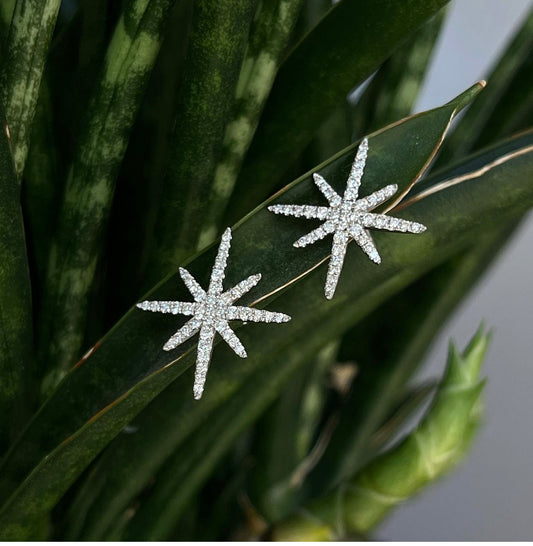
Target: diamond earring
348, 218
211, 311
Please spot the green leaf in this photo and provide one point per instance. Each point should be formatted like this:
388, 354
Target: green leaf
71, 427
216, 49
16, 342
90, 185
284, 437
338, 54
505, 107
6, 13
41, 188
187, 469
393, 90
269, 36
438, 443
23, 62
142, 171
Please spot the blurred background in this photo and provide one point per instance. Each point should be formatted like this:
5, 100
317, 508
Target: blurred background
490, 496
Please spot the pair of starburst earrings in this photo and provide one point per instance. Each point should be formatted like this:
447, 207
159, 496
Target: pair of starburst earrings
346, 218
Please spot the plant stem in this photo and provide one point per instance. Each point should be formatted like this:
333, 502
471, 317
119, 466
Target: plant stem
91, 179
27, 46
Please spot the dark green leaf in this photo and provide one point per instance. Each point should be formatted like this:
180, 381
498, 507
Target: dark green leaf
185, 471
16, 343
41, 188
23, 62
6, 13
269, 36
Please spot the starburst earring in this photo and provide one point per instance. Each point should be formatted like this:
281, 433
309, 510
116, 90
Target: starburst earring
211, 311
348, 218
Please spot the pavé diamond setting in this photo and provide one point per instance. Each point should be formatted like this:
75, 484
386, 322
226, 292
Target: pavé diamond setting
211, 311
348, 218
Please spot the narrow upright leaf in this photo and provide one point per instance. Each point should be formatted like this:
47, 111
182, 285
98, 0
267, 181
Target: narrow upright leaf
41, 188
6, 13
216, 49
91, 180
23, 63
505, 107
269, 37
16, 343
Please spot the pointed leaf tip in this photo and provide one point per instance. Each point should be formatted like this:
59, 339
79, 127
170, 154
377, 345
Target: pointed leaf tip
465, 98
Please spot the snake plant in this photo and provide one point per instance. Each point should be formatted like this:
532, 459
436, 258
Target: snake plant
134, 133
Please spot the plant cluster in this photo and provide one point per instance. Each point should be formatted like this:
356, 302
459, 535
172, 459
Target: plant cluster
135, 132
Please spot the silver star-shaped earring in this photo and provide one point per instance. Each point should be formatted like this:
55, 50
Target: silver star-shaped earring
348, 218
211, 312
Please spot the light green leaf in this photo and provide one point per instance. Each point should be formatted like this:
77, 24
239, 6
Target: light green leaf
438, 443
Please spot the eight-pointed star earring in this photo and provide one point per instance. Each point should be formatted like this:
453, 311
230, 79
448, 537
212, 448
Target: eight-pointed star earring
211, 311
348, 218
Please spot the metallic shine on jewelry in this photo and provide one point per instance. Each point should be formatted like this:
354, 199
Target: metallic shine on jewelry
211, 312
348, 218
